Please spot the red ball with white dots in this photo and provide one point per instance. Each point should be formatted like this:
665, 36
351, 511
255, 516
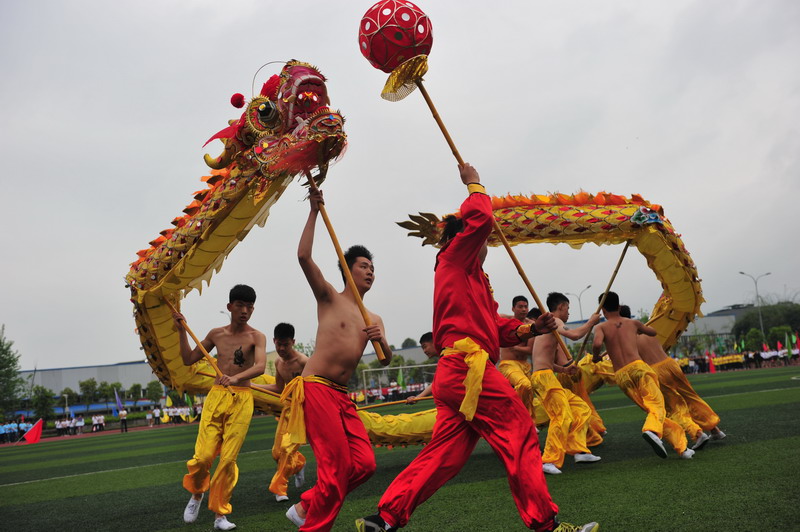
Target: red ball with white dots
393, 31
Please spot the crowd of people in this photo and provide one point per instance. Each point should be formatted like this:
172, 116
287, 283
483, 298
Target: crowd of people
13, 430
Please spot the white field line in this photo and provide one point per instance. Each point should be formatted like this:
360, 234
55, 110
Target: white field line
261, 451
111, 470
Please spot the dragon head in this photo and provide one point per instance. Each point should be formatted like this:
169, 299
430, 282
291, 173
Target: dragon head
288, 128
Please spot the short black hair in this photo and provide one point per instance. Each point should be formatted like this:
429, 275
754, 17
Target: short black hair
612, 302
534, 313
242, 292
625, 311
554, 299
452, 226
284, 331
352, 254
427, 337
517, 299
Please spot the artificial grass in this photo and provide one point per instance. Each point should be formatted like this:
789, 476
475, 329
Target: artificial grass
747, 482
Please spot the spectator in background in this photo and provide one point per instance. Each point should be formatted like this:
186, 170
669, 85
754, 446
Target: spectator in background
79, 423
149, 418
157, 415
123, 420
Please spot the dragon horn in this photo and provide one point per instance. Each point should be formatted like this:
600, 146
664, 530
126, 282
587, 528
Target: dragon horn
220, 162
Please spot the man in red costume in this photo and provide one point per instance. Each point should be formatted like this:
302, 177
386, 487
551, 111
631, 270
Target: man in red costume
468, 389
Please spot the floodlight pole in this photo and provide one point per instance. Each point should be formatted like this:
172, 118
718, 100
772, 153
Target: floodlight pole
578, 296
758, 302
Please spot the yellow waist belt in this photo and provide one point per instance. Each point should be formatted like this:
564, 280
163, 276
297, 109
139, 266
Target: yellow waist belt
294, 396
476, 359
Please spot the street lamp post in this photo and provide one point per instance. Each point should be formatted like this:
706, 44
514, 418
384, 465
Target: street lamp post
580, 307
758, 301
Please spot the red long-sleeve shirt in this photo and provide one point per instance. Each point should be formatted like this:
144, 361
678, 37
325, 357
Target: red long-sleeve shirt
463, 304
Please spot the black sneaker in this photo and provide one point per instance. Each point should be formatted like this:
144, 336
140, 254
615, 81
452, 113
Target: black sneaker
373, 523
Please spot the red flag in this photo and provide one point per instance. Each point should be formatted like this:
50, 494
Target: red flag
766, 347
34, 434
780, 345
711, 367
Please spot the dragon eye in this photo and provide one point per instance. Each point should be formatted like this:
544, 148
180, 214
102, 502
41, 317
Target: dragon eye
267, 112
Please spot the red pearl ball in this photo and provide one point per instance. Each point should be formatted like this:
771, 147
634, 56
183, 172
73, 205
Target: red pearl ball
393, 31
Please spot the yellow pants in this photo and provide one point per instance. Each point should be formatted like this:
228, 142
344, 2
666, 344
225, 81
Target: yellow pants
290, 460
683, 404
640, 383
519, 375
569, 418
223, 427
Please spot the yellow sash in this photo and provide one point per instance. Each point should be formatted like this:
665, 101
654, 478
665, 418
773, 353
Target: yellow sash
294, 396
475, 358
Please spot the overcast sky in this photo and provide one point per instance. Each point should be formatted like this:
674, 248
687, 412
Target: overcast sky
105, 107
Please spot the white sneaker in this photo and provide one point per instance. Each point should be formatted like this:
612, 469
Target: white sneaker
701, 441
281, 498
551, 469
655, 442
300, 478
192, 509
716, 436
586, 458
687, 454
293, 516
222, 523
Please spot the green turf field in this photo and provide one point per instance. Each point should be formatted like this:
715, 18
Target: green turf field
748, 482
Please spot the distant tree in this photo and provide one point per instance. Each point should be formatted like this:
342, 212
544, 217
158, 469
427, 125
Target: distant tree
88, 390
306, 349
105, 392
778, 334
784, 313
355, 380
177, 400
68, 397
644, 315
42, 401
135, 392
753, 340
11, 384
154, 391
408, 342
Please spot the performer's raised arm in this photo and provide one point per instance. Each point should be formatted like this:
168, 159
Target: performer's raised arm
322, 289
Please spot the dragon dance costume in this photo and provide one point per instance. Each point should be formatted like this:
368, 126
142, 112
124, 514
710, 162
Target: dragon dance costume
683, 404
223, 427
639, 382
473, 399
322, 413
518, 374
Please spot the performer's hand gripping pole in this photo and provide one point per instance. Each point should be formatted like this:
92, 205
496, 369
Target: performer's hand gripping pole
348, 276
605, 295
211, 360
497, 230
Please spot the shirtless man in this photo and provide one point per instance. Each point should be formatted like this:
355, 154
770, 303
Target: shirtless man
636, 379
426, 343
337, 436
241, 356
684, 406
569, 415
290, 364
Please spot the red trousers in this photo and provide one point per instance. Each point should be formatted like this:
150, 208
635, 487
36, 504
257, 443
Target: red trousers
502, 420
342, 449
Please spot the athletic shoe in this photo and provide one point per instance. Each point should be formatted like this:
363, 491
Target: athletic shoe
281, 498
222, 523
192, 509
294, 517
300, 478
701, 441
567, 527
550, 469
586, 458
716, 436
373, 523
687, 454
655, 442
